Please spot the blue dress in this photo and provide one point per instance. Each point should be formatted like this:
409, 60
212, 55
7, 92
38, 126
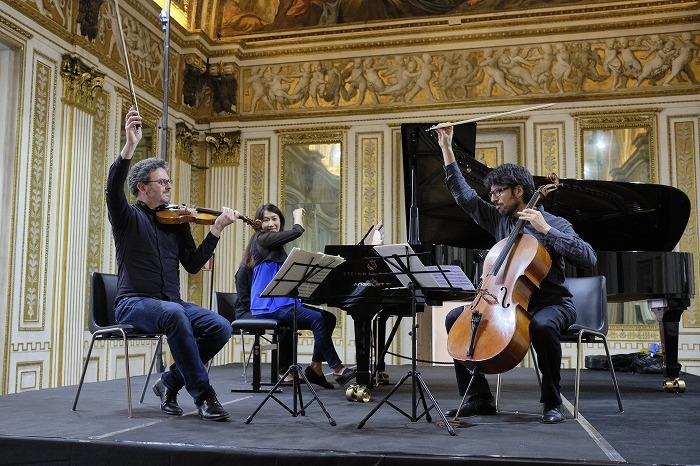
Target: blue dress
262, 276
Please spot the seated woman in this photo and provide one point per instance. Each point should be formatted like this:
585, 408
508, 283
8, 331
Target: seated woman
266, 253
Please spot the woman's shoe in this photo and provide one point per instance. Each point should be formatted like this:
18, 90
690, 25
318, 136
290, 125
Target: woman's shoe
288, 381
316, 379
347, 375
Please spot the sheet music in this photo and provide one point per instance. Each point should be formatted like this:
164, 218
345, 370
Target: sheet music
395, 256
297, 272
455, 277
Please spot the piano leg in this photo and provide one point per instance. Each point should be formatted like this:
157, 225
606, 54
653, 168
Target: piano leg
363, 348
668, 313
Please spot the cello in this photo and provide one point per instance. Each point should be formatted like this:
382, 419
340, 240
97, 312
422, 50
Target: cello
494, 337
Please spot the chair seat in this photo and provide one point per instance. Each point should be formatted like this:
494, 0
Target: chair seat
130, 330
257, 325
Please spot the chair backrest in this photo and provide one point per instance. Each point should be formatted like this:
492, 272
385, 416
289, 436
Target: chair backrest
226, 304
591, 302
103, 292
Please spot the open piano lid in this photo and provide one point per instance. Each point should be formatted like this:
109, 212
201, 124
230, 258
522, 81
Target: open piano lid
609, 215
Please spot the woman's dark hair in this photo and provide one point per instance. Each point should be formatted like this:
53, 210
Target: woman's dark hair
141, 172
510, 174
248, 258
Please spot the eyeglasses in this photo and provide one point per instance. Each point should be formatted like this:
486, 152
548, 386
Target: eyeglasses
162, 182
498, 191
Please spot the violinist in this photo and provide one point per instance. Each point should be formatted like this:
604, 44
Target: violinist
551, 307
149, 254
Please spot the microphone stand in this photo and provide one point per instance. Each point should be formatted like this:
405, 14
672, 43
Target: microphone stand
165, 20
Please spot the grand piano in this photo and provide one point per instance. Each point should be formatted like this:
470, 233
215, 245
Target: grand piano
633, 227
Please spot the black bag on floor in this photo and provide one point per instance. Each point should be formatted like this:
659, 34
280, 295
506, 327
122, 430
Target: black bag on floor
649, 364
631, 362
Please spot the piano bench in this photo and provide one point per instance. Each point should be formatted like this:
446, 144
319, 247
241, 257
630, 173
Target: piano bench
258, 328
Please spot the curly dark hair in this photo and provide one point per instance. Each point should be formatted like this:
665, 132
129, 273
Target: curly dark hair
248, 258
510, 174
141, 172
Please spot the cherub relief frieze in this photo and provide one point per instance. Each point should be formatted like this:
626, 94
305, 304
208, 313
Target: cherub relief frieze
608, 65
57, 10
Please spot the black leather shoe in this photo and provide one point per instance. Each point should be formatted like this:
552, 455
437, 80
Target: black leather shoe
211, 409
168, 398
347, 375
552, 415
473, 406
316, 379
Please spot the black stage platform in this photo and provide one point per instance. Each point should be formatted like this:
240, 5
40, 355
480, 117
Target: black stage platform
39, 427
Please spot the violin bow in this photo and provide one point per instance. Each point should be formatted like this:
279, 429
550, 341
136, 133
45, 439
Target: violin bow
125, 56
495, 115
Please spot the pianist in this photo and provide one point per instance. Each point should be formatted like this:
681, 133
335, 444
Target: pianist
265, 252
511, 187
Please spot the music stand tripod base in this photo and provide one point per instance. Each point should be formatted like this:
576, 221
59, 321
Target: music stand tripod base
417, 382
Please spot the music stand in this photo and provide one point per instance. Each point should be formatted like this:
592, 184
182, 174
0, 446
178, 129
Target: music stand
413, 275
299, 276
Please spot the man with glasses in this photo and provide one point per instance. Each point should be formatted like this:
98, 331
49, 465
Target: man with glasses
149, 255
510, 188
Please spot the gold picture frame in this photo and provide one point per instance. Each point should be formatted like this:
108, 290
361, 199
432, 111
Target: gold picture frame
311, 178
619, 146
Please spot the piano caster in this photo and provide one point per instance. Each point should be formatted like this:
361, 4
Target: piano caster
358, 393
674, 386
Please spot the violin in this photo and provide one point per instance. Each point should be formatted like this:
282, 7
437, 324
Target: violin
495, 336
176, 214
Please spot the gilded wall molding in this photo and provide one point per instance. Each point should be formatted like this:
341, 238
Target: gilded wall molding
683, 142
35, 369
397, 183
369, 156
633, 333
550, 144
81, 83
12, 26
255, 183
452, 29
37, 216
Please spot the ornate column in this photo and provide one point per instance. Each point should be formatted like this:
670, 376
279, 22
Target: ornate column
74, 176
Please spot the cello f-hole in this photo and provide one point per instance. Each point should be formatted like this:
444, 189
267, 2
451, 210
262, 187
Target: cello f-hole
504, 295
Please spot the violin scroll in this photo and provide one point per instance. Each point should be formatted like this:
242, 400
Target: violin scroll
253, 223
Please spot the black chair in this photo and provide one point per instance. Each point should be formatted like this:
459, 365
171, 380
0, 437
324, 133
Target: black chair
268, 330
591, 326
103, 326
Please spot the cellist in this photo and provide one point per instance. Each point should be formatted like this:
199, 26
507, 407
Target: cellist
510, 188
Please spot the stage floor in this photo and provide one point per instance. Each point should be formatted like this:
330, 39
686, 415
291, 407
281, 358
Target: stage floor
656, 427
